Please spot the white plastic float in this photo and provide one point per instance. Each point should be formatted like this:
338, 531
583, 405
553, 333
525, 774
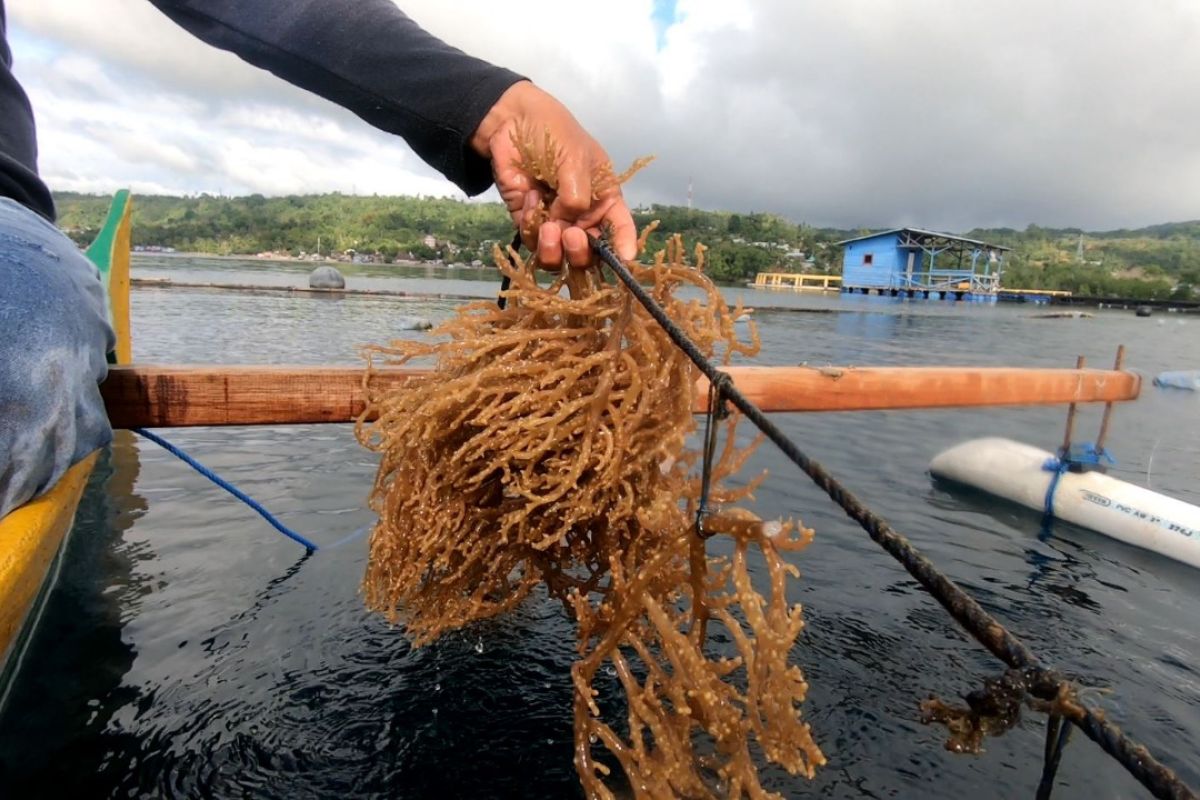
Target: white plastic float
1129, 513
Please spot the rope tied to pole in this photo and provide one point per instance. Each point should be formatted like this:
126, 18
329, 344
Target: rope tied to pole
1085, 457
1029, 676
717, 411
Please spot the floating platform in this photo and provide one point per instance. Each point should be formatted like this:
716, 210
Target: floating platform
956, 295
1040, 297
796, 282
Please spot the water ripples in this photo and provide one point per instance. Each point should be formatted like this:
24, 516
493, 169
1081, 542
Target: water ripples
190, 651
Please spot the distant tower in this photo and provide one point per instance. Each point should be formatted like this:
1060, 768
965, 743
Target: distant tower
1079, 250
689, 193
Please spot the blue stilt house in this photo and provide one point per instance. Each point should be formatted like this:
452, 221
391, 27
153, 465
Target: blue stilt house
911, 262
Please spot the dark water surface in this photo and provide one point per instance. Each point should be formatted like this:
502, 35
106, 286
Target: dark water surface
191, 651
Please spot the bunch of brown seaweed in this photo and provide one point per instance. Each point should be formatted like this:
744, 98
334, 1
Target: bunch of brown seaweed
549, 447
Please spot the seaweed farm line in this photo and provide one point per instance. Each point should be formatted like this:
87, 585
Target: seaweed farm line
396, 294
163, 283
219, 661
409, 295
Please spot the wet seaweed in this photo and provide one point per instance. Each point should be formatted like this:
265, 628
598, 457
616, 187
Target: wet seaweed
549, 447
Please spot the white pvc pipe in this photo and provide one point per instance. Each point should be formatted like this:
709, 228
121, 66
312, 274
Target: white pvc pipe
1134, 515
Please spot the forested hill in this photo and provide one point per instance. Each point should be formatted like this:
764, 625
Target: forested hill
1156, 261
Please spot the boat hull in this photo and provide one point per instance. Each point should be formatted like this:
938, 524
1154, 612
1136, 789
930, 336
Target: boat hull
31, 538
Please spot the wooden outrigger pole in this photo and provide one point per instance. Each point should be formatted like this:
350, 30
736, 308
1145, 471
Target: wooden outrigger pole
155, 396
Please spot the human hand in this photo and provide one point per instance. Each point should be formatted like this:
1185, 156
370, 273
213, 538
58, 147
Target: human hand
574, 209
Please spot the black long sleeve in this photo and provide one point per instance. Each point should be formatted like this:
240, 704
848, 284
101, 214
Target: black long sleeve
18, 145
364, 55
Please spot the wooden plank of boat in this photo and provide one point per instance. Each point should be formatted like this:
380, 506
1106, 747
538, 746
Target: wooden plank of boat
32, 536
145, 395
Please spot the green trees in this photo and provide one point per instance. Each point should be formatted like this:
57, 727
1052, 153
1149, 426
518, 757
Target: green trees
388, 225
1154, 262
729, 261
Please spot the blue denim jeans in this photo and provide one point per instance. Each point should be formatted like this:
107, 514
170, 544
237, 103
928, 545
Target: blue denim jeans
54, 334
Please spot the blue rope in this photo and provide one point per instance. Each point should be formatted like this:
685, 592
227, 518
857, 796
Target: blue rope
350, 536
227, 486
1058, 466
1083, 455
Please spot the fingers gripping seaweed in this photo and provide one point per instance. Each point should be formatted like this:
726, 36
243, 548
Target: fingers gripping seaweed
548, 447
541, 158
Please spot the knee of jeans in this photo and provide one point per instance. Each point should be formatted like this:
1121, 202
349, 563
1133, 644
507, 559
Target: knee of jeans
47, 376
54, 395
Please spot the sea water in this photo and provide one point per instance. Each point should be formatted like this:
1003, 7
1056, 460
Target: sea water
191, 651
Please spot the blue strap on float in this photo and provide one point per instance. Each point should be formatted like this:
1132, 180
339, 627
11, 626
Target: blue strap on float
1058, 465
1080, 458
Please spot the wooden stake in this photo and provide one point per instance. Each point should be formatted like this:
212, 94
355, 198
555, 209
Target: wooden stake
1080, 363
151, 396
1108, 407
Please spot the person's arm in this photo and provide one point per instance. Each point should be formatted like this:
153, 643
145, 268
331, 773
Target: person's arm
457, 112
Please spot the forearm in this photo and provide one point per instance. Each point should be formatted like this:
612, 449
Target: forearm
368, 57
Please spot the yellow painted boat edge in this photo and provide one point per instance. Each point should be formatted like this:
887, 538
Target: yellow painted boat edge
30, 538
118, 284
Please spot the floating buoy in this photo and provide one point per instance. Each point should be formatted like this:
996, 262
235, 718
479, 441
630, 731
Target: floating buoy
1123, 511
1179, 379
326, 278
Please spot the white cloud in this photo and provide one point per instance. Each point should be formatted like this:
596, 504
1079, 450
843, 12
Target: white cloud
697, 23
857, 112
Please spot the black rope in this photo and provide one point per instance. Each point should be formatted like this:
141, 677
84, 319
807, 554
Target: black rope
1044, 683
717, 411
1058, 731
506, 281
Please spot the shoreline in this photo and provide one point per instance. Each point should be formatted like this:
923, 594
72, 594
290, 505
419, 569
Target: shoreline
252, 257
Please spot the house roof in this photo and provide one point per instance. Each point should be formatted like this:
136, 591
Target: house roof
923, 232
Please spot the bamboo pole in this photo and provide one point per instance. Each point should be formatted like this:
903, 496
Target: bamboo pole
156, 396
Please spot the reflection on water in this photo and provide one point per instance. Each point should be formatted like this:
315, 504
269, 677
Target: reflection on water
86, 614
192, 651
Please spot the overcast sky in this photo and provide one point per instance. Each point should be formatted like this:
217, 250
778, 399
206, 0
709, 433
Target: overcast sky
948, 114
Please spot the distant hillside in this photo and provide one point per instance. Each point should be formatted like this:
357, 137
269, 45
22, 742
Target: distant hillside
1156, 261
390, 226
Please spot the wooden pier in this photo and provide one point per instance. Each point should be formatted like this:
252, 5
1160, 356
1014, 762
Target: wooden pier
797, 282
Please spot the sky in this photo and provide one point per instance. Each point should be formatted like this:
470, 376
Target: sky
945, 114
